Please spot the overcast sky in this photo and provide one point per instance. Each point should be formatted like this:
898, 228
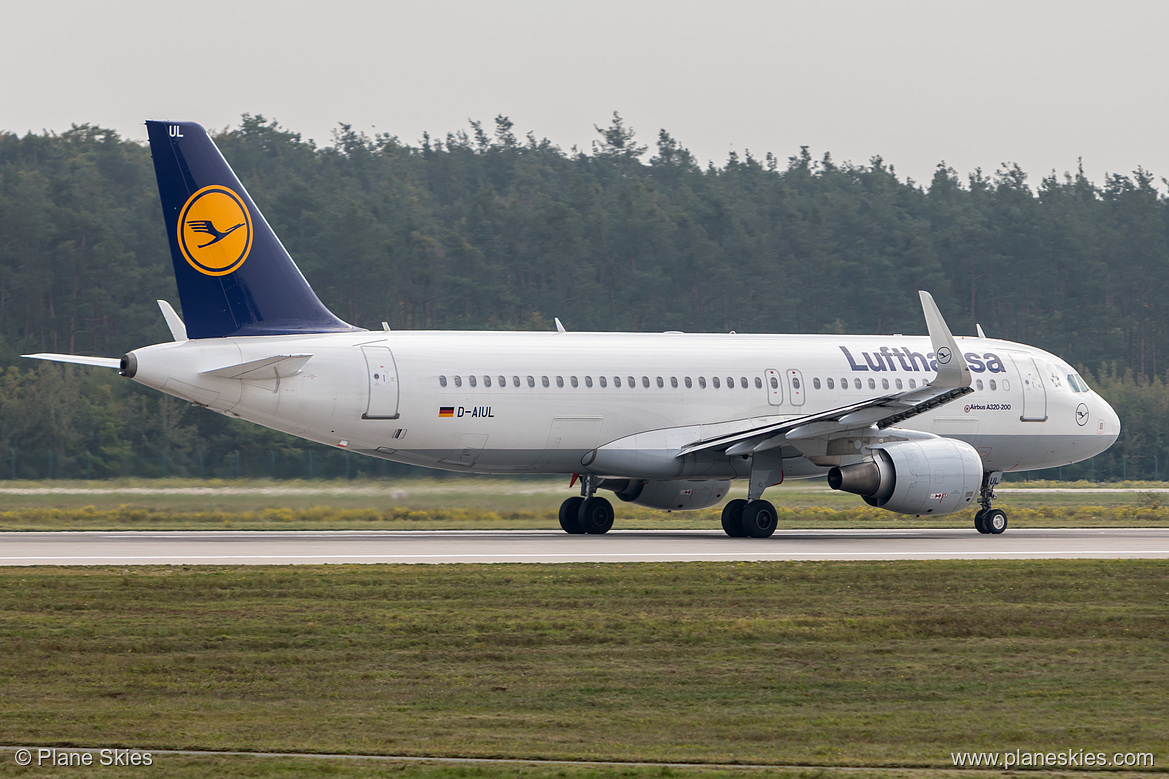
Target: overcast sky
917, 82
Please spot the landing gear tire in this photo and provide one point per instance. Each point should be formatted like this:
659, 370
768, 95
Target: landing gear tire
980, 522
995, 521
733, 518
595, 516
570, 515
759, 519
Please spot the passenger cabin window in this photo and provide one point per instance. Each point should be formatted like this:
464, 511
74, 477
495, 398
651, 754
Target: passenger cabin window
913, 383
758, 383
573, 382
689, 384
661, 383
545, 382
730, 382
559, 381
674, 382
645, 381
857, 383
531, 381
872, 384
616, 381
633, 382
701, 382
515, 381
978, 385
831, 384
815, 383
899, 384
774, 383
442, 381
588, 381
884, 384
486, 381
992, 385
795, 383
503, 381
604, 382
458, 381
743, 382
471, 381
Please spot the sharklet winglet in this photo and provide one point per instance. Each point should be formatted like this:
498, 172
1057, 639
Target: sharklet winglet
952, 368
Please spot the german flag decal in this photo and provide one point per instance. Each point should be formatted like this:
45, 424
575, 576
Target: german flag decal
446, 411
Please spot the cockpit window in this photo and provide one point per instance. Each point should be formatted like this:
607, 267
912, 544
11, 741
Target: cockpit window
1077, 383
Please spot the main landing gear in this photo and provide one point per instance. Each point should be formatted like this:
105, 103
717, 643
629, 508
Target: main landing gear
755, 517
989, 520
749, 518
586, 513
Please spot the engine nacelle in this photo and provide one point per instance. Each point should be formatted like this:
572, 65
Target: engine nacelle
671, 495
933, 476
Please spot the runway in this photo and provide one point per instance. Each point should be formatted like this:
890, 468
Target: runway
547, 546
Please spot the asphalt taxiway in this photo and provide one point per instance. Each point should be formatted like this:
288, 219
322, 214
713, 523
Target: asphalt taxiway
547, 546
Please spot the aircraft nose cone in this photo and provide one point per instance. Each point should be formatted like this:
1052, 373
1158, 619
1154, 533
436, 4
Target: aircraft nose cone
1113, 424
1109, 422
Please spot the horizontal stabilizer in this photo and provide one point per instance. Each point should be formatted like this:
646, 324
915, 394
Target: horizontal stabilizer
280, 366
77, 359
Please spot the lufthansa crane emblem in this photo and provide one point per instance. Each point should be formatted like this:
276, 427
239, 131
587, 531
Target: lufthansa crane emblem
1082, 414
215, 230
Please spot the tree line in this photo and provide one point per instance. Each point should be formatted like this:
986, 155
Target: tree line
485, 228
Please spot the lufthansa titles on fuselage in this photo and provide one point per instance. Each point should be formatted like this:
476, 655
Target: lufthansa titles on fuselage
902, 358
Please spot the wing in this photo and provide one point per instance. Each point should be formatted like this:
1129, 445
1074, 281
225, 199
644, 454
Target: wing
952, 382
658, 453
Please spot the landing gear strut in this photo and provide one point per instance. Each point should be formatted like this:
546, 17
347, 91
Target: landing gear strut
989, 520
586, 513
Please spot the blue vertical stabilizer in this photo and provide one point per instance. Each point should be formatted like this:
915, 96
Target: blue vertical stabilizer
235, 278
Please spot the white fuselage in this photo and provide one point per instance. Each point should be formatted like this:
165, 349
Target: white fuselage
536, 402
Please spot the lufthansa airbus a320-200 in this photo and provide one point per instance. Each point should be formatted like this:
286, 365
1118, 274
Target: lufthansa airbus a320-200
916, 425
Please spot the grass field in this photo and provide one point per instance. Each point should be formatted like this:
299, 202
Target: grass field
486, 502
855, 664
200, 767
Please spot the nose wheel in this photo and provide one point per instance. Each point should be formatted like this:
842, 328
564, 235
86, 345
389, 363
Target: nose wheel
989, 521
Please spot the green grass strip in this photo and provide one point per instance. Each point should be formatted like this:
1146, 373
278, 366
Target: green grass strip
821, 663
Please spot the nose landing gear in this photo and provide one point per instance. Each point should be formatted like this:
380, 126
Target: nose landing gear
989, 520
